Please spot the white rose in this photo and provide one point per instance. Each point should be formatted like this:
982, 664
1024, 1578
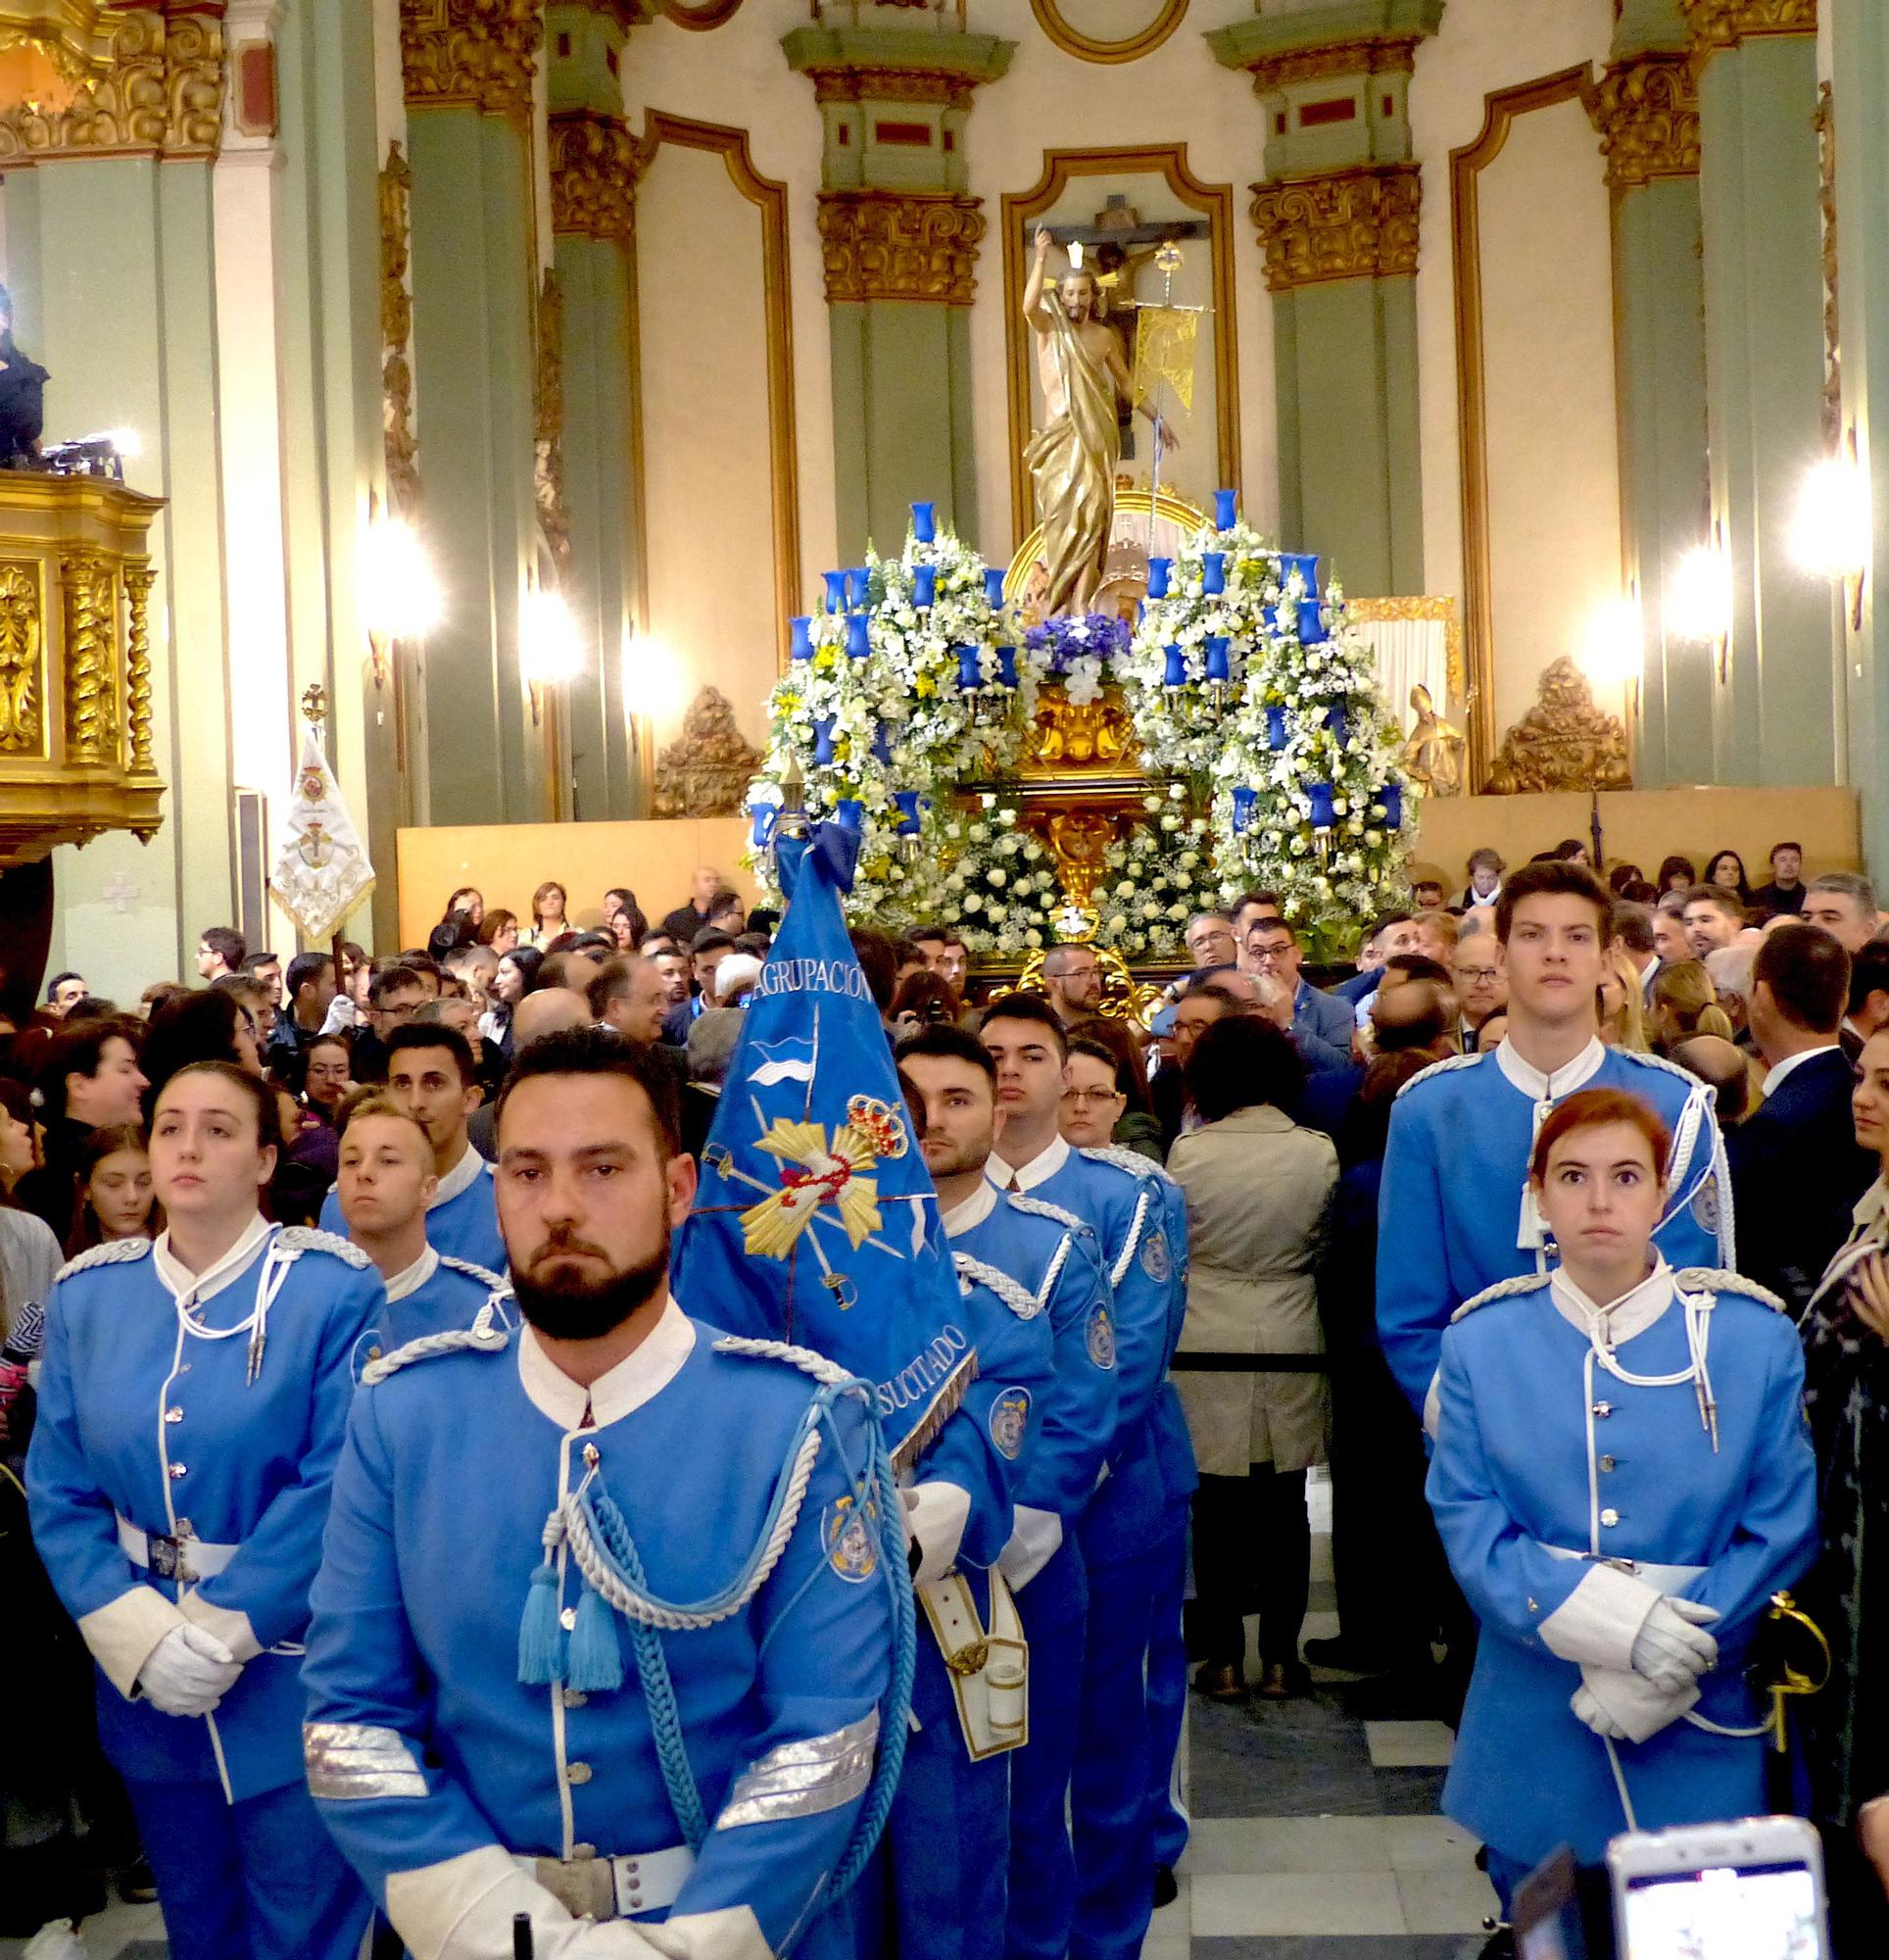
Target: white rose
1125, 889
1032, 936
1118, 923
1007, 816
1031, 851
1188, 859
972, 903
1170, 823
1177, 914
995, 876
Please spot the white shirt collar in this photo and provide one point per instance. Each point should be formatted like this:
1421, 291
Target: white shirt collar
1783, 1069
1539, 1087
414, 1277
462, 1177
1039, 1170
1619, 1320
974, 1210
183, 1284
640, 1377
1872, 1211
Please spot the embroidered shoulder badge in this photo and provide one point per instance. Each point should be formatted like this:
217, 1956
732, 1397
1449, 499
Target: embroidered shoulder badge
497, 1282
1442, 1067
1705, 1206
1155, 1261
295, 1240
1711, 1279
1501, 1289
1101, 1337
850, 1546
1009, 1419
1124, 1158
114, 1253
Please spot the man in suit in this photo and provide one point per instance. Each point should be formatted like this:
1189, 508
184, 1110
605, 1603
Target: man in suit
1630, 938
1869, 996
1321, 1024
1796, 1170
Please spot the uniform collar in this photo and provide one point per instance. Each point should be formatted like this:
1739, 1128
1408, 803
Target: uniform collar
1539, 1087
1620, 1319
974, 1210
462, 1177
414, 1277
638, 1378
1039, 1170
182, 1284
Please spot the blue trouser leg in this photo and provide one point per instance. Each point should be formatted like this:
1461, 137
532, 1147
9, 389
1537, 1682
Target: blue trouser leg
1505, 1875
191, 1843
1109, 1791
1043, 1865
949, 1831
304, 1902
1168, 1699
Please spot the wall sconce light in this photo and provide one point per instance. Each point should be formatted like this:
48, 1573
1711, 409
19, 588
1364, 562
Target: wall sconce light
1830, 535
1698, 600
1614, 650
400, 598
550, 653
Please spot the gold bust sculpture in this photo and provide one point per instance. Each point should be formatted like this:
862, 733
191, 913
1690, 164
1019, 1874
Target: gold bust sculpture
1433, 754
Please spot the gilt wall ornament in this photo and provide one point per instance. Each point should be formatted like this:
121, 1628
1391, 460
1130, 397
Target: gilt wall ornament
1647, 113
899, 245
554, 517
159, 92
396, 336
1723, 24
1346, 225
91, 716
139, 578
848, 82
21, 636
1565, 741
1391, 54
477, 54
706, 771
1825, 120
595, 165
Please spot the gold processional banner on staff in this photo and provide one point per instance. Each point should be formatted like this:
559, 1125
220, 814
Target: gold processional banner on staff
1164, 338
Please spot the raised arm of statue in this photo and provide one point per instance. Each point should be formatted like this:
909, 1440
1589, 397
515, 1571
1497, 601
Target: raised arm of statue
1034, 313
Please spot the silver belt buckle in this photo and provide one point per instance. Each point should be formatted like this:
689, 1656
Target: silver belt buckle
585, 1886
165, 1556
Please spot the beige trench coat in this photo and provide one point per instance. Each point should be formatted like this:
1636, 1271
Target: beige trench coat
1259, 1194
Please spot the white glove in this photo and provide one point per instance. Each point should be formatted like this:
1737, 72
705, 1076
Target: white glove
188, 1672
1587, 1709
1672, 1650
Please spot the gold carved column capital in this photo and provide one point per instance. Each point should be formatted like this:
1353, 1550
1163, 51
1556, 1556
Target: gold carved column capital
901, 245
1646, 110
477, 54
153, 86
595, 165
1359, 224
1723, 24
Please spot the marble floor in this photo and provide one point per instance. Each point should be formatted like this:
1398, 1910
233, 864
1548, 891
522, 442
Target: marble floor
1316, 1829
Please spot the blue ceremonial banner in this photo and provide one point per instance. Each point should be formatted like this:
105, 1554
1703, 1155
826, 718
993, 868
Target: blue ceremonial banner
815, 1221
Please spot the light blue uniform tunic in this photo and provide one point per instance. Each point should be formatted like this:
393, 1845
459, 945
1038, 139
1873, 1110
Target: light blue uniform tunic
462, 1219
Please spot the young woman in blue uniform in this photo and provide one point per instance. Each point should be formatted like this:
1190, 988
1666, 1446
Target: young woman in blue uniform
193, 1398
1622, 1478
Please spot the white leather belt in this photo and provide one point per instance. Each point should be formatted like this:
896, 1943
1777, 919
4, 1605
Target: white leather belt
181, 1558
604, 1888
1663, 1577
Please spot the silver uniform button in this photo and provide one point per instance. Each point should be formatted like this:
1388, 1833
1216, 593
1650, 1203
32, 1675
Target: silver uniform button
575, 1697
179, 1470
1610, 1518
184, 1528
578, 1773
1603, 1410
1607, 1464
174, 1416
567, 1619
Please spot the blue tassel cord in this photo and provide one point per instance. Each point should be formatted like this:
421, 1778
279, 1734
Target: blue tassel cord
595, 1664
541, 1640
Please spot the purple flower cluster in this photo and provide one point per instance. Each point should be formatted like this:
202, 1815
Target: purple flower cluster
1099, 636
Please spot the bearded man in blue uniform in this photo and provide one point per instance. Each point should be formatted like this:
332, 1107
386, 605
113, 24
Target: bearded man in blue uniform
1455, 1210
719, 1764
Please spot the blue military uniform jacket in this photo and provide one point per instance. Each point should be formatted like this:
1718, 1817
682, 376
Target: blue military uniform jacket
1451, 1211
236, 1468
431, 1759
461, 1220
438, 1292
1570, 1498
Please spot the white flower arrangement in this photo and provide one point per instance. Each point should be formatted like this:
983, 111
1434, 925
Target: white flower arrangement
1000, 891
1144, 879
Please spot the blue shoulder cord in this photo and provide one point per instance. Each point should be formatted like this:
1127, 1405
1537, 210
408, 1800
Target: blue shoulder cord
610, 1535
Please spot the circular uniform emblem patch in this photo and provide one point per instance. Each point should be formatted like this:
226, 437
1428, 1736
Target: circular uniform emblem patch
850, 1547
1101, 1338
1155, 1261
1705, 1206
1009, 1419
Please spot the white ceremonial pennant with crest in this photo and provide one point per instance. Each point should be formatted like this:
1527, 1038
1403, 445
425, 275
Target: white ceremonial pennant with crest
321, 872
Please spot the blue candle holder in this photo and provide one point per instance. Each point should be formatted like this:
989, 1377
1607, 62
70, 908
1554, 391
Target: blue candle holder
970, 675
858, 583
1269, 618
836, 590
1391, 796
924, 587
1275, 727
1311, 623
1213, 573
852, 813
1006, 667
1244, 802
1324, 816
925, 522
823, 741
1306, 564
1217, 668
801, 648
764, 816
858, 638
1339, 723
905, 801
1177, 669
1158, 571
994, 587
1223, 510
882, 743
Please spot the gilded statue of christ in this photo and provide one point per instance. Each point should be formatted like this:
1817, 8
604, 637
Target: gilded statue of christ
1071, 458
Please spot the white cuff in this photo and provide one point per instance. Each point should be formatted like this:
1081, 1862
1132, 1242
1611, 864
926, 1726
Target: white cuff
124, 1634
1640, 1708
229, 1626
1034, 1543
936, 1514
732, 1932
1599, 1621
